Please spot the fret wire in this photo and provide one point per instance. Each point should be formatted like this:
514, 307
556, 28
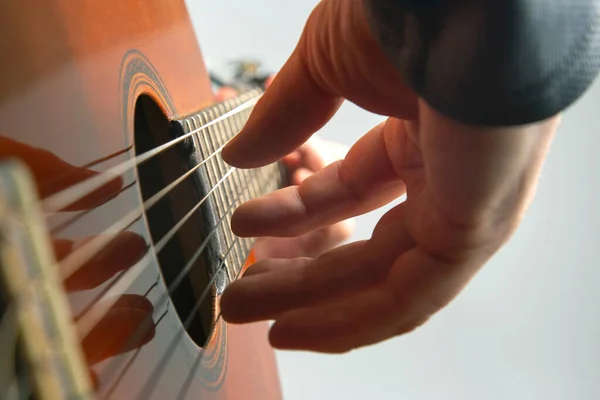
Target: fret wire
233, 127
224, 133
242, 191
247, 174
245, 178
227, 237
262, 176
212, 138
207, 147
208, 142
255, 185
237, 179
237, 126
221, 137
240, 201
219, 199
249, 177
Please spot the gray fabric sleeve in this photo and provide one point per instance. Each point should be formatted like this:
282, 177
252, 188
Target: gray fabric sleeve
492, 62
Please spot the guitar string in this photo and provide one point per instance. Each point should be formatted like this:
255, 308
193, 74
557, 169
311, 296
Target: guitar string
178, 280
61, 200
189, 318
151, 383
90, 320
51, 181
175, 284
29, 387
162, 365
103, 294
70, 264
156, 374
78, 257
70, 221
54, 202
95, 245
86, 324
131, 359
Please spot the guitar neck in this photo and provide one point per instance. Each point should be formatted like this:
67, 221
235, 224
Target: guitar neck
227, 186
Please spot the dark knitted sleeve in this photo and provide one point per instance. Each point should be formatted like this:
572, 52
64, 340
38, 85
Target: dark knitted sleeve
492, 62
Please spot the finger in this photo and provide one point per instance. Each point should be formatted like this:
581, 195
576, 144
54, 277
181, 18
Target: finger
419, 285
298, 282
280, 286
338, 327
338, 192
309, 89
303, 110
53, 174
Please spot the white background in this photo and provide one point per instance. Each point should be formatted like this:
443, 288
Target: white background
528, 327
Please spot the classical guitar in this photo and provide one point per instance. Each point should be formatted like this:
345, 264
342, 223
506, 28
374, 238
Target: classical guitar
115, 208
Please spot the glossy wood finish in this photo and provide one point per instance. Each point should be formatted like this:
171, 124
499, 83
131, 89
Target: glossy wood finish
62, 104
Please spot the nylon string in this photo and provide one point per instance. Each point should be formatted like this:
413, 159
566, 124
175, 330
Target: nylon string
61, 200
113, 367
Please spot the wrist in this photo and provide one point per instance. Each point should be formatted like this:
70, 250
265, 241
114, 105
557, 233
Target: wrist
491, 63
483, 177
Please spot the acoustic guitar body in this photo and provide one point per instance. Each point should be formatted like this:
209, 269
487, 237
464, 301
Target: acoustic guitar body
85, 87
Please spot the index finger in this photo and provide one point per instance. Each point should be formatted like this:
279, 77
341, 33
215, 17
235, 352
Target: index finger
336, 59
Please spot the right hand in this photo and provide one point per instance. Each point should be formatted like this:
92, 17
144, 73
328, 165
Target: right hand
467, 189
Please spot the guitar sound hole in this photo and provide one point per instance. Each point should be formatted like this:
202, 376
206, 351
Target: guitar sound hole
153, 129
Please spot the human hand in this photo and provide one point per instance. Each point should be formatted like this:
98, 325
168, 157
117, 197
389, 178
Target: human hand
309, 158
467, 189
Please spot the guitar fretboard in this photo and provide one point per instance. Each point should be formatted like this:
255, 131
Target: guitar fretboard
230, 186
